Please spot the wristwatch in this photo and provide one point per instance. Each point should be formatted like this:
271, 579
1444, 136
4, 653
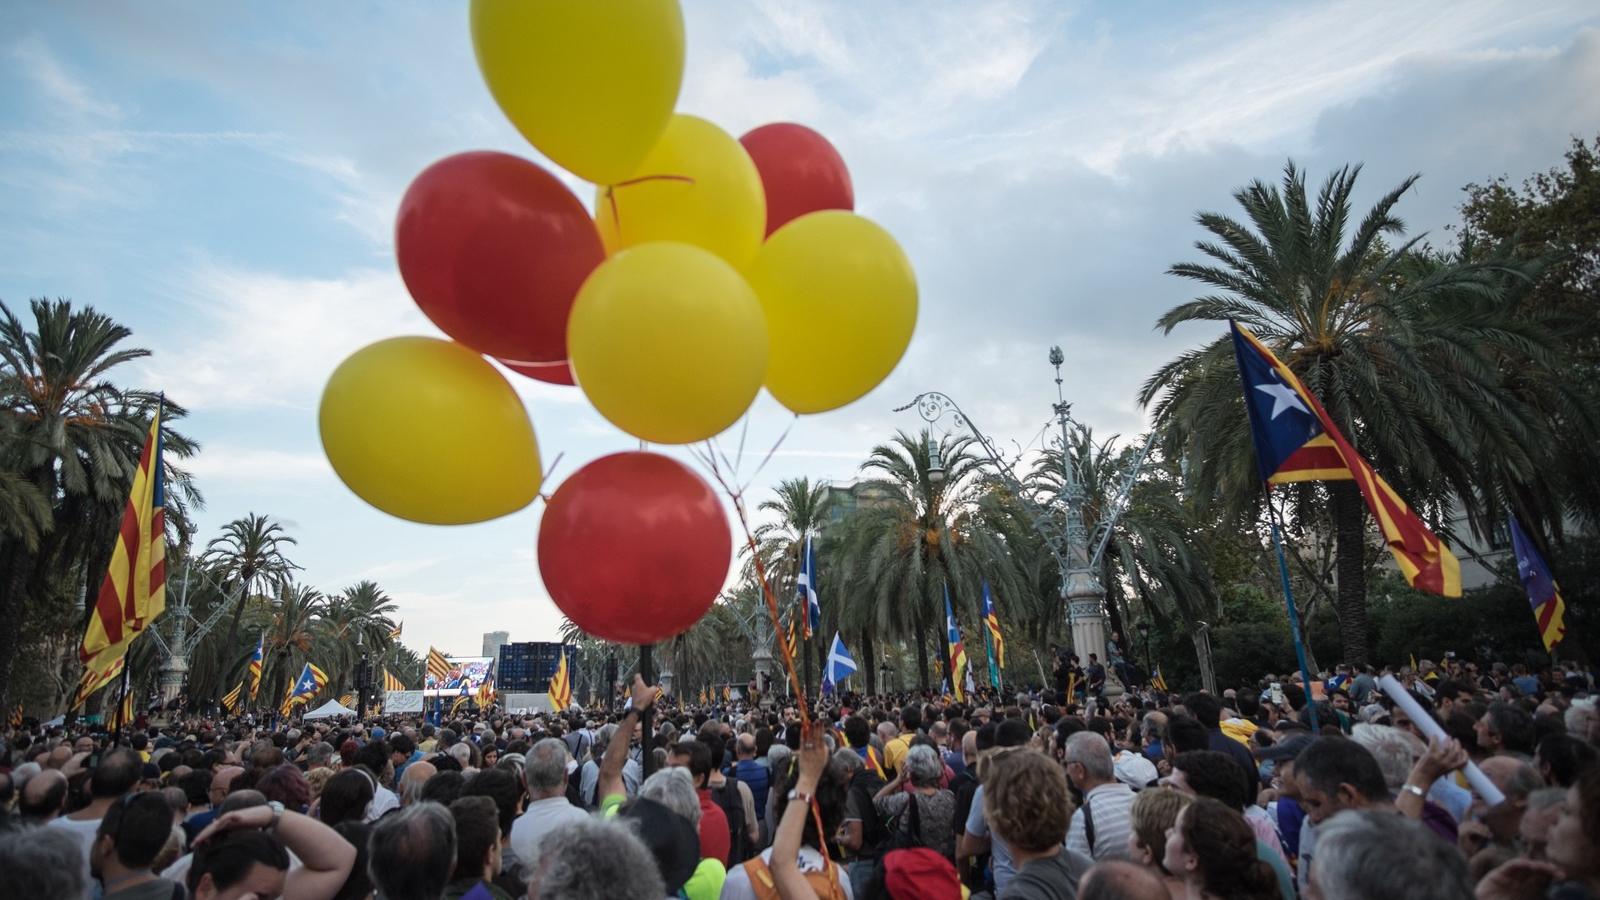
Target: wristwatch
1413, 789
277, 814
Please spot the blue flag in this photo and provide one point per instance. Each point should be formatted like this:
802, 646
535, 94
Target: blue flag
1544, 596
840, 664
807, 587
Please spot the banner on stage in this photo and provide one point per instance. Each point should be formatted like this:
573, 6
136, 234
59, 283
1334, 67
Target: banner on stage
402, 702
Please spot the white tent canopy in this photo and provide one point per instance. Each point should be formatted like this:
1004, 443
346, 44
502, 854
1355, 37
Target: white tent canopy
329, 710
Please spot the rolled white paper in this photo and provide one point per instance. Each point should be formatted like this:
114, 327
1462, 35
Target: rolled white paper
1432, 729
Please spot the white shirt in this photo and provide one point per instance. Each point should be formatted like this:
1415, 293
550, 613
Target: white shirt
737, 885
84, 830
383, 800
1112, 808
541, 818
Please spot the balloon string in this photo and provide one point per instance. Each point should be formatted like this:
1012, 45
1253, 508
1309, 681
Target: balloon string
611, 191
766, 587
544, 479
776, 444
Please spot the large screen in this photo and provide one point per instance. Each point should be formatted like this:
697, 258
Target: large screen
466, 675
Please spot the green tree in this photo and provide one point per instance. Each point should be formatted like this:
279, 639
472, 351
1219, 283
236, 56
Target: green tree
74, 436
1412, 386
249, 555
799, 507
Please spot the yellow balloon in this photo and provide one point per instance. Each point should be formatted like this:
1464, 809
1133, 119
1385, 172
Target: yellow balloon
591, 83
698, 186
668, 342
838, 281
427, 430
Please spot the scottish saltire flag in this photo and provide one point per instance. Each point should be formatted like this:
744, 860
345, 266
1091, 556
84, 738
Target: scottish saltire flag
997, 644
958, 653
134, 591
806, 585
1295, 440
1544, 595
840, 664
255, 665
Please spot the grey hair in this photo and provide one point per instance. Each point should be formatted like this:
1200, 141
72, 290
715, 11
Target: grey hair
674, 789
319, 753
848, 762
462, 753
412, 853
595, 860
42, 862
1091, 751
1359, 852
1544, 798
1395, 750
923, 768
546, 768
778, 756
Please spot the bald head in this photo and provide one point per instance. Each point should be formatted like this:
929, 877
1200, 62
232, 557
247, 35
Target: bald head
1118, 880
223, 781
747, 746
58, 757
411, 782
43, 795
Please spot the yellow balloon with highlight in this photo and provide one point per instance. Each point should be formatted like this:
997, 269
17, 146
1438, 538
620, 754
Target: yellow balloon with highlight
427, 430
668, 342
841, 303
697, 186
591, 83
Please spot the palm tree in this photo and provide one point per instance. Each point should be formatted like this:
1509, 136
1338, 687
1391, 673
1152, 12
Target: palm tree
291, 629
249, 554
75, 437
353, 624
800, 509
1408, 384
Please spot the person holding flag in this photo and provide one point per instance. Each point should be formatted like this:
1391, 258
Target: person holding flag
1544, 595
996, 643
958, 653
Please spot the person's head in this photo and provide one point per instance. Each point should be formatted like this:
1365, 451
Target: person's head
746, 747
1516, 780
1088, 761
674, 789
595, 860
694, 756
1185, 733
411, 781
345, 797
413, 852
1115, 879
1359, 853
857, 731
923, 767
1026, 800
1153, 812
1506, 728
910, 718
1210, 773
477, 824
1204, 707
504, 789
1212, 847
287, 785
1544, 807
546, 768
42, 862
1395, 751
118, 773
42, 797
1334, 774
131, 834
1561, 758
243, 863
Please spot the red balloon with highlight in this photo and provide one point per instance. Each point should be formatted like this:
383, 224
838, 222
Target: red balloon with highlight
634, 547
801, 172
493, 249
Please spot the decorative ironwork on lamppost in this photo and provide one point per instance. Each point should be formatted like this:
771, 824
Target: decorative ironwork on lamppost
1077, 553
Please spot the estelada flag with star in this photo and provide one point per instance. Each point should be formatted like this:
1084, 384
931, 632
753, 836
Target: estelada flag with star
1295, 440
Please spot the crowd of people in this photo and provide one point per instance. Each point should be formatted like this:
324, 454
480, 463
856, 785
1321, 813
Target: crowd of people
1050, 792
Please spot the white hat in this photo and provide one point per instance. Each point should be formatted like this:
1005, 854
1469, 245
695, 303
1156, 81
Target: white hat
1134, 770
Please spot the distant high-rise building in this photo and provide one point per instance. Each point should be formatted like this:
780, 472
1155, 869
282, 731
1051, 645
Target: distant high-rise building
493, 641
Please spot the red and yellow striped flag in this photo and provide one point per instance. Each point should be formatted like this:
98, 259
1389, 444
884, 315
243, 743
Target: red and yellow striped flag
127, 709
391, 683
100, 671
561, 684
135, 588
234, 699
438, 666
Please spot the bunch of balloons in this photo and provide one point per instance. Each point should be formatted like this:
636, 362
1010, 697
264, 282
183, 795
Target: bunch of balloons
709, 268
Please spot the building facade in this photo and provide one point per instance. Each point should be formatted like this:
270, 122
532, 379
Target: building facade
493, 641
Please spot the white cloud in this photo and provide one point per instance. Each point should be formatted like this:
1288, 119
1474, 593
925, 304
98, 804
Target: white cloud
229, 462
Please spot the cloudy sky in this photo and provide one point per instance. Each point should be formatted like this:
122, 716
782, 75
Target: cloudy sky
223, 178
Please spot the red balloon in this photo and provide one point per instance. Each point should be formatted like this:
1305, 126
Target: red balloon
494, 249
800, 170
634, 547
558, 372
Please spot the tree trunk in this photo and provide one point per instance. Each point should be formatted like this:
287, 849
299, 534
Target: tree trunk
869, 661
922, 651
1349, 517
233, 631
1202, 653
16, 564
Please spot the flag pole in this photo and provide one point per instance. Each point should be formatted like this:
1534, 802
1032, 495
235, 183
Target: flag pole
1294, 614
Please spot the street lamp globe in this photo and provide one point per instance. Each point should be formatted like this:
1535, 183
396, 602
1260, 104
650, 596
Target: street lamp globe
935, 465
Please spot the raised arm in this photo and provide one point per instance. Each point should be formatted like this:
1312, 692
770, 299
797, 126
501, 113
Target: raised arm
785, 863
616, 756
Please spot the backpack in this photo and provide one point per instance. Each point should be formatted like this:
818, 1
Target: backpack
863, 787
825, 884
732, 805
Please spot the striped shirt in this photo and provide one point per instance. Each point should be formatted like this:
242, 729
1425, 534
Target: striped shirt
1111, 807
